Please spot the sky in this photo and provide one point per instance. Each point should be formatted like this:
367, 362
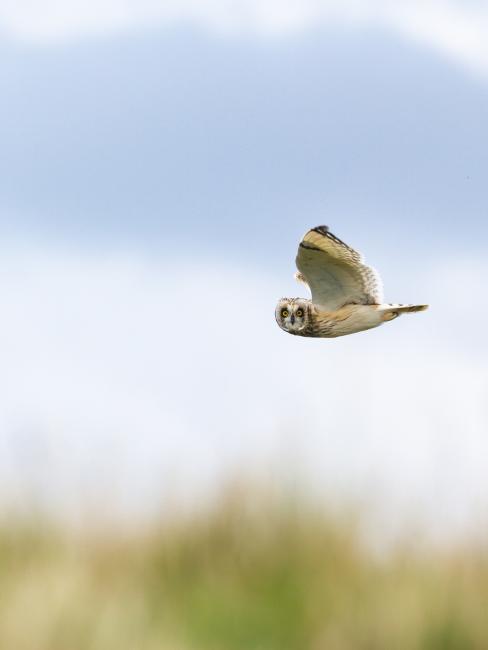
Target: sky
159, 164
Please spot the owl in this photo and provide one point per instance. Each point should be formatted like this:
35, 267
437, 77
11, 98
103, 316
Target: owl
347, 295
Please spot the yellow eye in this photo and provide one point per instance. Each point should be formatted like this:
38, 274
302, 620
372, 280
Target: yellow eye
299, 313
285, 313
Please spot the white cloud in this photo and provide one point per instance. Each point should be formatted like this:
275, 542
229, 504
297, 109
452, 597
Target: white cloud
124, 383
455, 28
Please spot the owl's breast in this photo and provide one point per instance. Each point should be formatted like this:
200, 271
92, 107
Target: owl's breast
346, 320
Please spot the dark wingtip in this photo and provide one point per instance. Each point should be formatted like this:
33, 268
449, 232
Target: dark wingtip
322, 230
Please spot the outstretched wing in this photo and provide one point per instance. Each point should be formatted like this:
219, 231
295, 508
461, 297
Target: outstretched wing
335, 272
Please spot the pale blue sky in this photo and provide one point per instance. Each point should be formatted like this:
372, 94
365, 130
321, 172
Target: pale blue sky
155, 178
178, 132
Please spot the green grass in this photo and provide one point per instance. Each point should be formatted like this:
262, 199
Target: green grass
249, 574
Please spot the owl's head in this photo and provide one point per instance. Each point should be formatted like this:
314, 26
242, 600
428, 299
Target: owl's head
292, 314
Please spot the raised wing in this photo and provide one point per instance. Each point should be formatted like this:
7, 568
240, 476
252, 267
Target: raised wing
335, 272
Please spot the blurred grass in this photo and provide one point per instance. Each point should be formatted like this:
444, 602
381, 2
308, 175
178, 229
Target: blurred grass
252, 573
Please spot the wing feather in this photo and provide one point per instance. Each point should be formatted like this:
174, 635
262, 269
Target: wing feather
335, 272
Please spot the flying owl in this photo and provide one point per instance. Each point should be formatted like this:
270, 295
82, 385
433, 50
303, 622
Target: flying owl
347, 295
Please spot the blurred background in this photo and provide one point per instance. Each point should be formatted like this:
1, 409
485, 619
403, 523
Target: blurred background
175, 471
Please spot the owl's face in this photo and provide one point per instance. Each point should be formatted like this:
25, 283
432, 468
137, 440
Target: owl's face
292, 314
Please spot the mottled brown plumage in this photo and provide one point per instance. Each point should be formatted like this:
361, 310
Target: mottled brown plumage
347, 294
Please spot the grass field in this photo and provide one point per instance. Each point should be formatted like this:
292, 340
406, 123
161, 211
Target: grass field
251, 573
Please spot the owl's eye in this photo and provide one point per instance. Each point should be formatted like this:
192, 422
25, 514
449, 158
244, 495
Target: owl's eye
299, 313
285, 313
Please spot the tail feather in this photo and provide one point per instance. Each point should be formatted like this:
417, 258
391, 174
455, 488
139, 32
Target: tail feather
408, 309
392, 311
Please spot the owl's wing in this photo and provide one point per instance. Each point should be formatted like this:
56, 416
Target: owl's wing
335, 272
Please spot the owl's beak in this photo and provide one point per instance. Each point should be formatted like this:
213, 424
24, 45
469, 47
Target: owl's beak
292, 319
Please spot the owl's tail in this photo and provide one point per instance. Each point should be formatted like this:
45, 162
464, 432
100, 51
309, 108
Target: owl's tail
389, 312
